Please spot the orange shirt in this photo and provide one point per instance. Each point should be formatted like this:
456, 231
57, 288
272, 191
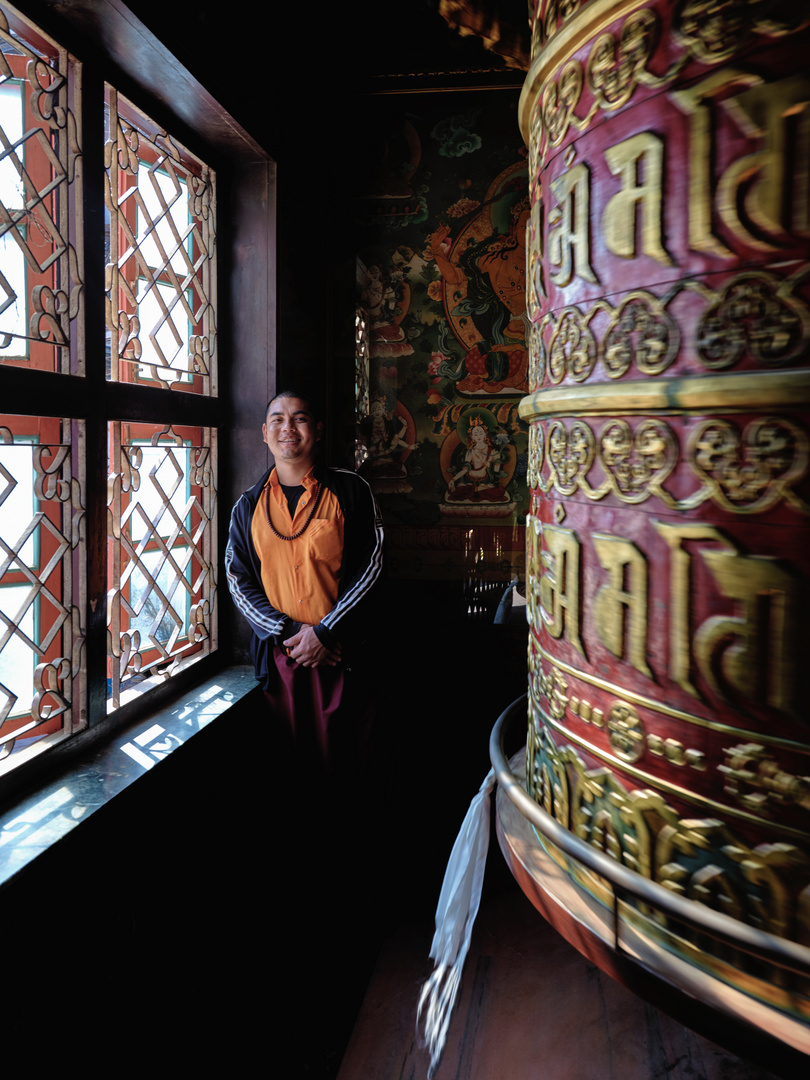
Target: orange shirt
300, 577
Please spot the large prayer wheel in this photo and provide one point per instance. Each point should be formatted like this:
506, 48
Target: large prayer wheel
668, 544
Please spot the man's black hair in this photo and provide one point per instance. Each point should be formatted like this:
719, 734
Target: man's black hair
311, 400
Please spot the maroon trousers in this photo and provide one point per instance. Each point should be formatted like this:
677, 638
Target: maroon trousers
327, 712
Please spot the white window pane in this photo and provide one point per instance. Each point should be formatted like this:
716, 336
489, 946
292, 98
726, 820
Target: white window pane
165, 331
17, 509
17, 661
145, 600
162, 242
11, 121
13, 314
170, 482
174, 242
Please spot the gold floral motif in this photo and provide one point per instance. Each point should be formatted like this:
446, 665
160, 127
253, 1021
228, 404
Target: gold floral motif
693, 862
625, 731
535, 661
715, 30
547, 778
754, 471
560, 793
640, 332
537, 357
630, 816
573, 348
617, 64
753, 777
637, 463
700, 859
548, 782
754, 313
535, 455
532, 747
761, 886
746, 474
558, 102
601, 810
553, 686
570, 455
774, 874
557, 13
711, 31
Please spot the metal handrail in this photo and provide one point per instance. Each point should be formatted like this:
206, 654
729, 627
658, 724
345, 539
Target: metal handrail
786, 954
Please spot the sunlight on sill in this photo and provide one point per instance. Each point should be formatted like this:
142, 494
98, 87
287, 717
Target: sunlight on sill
42, 818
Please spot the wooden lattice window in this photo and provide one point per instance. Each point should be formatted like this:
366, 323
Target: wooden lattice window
161, 552
106, 445
162, 270
161, 326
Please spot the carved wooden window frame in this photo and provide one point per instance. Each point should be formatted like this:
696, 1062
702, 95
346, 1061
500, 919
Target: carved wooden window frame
79, 396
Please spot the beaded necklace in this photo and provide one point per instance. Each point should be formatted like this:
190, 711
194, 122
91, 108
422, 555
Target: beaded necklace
304, 527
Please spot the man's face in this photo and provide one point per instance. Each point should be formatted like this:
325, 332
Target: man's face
290, 431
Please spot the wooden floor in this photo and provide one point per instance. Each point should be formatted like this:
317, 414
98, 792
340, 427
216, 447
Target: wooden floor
530, 1006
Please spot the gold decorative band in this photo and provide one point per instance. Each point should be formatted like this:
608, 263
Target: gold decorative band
676, 790
690, 393
568, 39
668, 710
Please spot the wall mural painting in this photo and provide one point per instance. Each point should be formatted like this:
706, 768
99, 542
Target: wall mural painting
441, 288
479, 458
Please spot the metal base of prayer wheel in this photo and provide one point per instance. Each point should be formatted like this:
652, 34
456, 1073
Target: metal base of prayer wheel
704, 971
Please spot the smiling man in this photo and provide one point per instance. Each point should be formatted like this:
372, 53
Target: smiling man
304, 555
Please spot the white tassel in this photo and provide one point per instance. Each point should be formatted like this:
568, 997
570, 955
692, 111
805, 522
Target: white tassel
455, 914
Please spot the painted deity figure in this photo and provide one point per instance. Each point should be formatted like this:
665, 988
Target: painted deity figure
484, 285
386, 438
478, 477
385, 298
387, 433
